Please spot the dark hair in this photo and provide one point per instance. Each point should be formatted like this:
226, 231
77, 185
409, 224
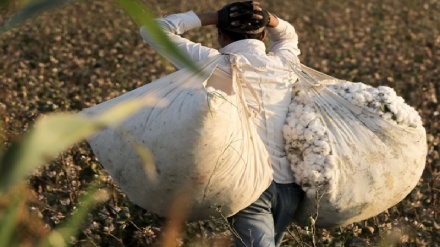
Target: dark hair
239, 21
235, 36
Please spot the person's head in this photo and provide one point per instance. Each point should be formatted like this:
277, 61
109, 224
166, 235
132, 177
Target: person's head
241, 20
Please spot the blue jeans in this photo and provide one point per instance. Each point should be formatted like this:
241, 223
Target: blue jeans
264, 222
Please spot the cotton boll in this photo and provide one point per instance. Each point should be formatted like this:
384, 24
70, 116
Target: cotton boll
363, 87
299, 131
341, 93
316, 139
320, 131
304, 146
316, 168
298, 108
387, 116
296, 116
308, 135
328, 177
307, 118
374, 92
295, 143
331, 162
308, 108
414, 121
318, 142
314, 175
288, 133
317, 127
401, 116
392, 107
377, 105
298, 169
353, 88
348, 96
292, 122
320, 161
325, 149
297, 172
355, 102
400, 119
368, 96
294, 159
307, 152
324, 138
301, 96
308, 163
317, 149
310, 192
292, 137
314, 124
359, 98
298, 179
399, 100
389, 92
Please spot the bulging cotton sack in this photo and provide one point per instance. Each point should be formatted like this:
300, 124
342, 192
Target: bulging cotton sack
206, 151
356, 150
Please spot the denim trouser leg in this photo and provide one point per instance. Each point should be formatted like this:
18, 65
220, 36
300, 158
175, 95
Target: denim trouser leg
288, 198
263, 222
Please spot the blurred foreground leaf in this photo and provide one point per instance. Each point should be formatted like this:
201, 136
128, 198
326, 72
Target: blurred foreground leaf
5, 3
9, 221
145, 154
54, 133
143, 17
30, 9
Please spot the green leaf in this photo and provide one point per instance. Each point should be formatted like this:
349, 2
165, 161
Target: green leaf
30, 9
9, 221
143, 17
53, 134
61, 236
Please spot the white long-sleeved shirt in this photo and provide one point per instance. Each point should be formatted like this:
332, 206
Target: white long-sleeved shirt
267, 74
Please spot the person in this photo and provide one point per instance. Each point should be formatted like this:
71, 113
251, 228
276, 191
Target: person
242, 28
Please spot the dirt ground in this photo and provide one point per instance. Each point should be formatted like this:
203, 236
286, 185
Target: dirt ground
90, 51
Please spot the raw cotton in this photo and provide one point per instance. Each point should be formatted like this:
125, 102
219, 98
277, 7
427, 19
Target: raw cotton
208, 158
356, 150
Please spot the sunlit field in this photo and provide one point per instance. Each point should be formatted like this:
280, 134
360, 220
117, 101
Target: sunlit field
88, 52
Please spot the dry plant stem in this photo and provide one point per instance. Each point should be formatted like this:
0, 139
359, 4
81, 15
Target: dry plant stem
294, 237
111, 235
434, 196
299, 235
229, 226
318, 197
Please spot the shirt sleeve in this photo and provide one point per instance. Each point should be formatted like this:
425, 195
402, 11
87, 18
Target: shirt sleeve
284, 40
173, 26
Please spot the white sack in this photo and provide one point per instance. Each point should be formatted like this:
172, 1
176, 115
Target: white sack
355, 149
204, 146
